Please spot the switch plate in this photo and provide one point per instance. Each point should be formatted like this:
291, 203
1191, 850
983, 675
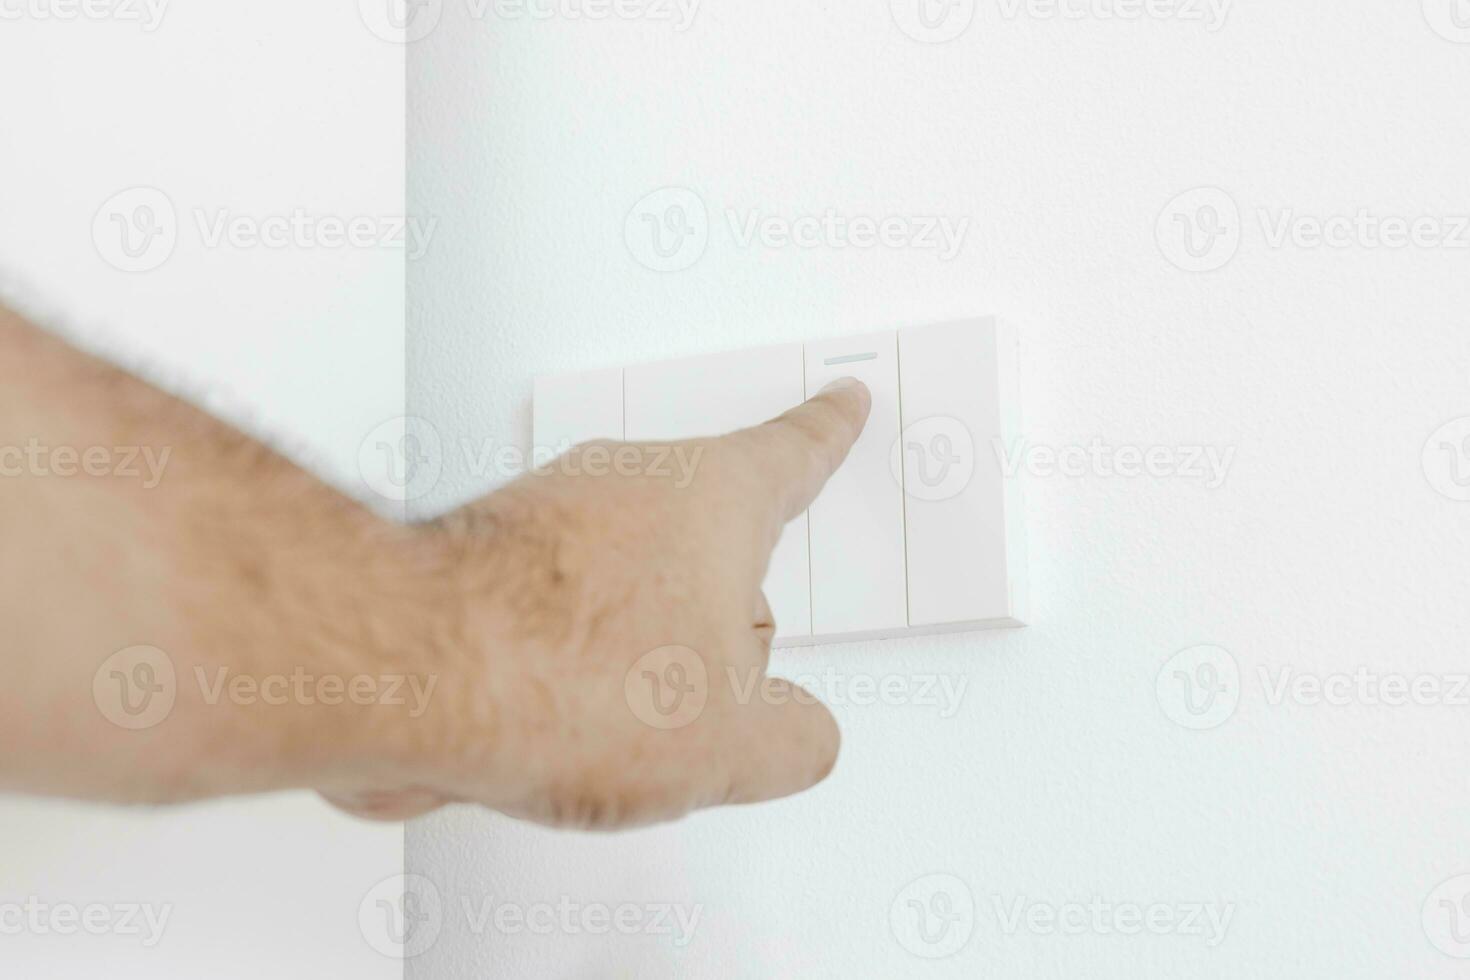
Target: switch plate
919, 531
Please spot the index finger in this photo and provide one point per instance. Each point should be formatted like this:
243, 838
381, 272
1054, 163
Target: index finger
800, 450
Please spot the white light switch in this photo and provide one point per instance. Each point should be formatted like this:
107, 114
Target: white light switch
958, 409
919, 531
858, 583
705, 396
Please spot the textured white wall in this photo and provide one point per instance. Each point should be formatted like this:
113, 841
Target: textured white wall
255, 110
1061, 776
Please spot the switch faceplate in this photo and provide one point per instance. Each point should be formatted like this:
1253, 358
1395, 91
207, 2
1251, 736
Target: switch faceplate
919, 531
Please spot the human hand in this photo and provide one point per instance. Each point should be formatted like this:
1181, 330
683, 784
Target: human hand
601, 641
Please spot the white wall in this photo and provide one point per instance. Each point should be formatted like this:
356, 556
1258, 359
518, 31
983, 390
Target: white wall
1061, 776
255, 110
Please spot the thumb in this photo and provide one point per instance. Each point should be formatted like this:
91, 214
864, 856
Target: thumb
786, 742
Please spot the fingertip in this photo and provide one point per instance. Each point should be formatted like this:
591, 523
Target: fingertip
798, 451
850, 396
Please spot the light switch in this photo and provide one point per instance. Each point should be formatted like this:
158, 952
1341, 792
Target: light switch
961, 512
857, 551
709, 396
919, 531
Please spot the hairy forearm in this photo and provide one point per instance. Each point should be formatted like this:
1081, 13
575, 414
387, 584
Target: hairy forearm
585, 646
276, 610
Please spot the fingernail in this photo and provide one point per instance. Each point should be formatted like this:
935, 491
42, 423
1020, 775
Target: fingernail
841, 384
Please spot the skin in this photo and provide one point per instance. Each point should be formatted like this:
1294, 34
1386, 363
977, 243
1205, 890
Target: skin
586, 647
